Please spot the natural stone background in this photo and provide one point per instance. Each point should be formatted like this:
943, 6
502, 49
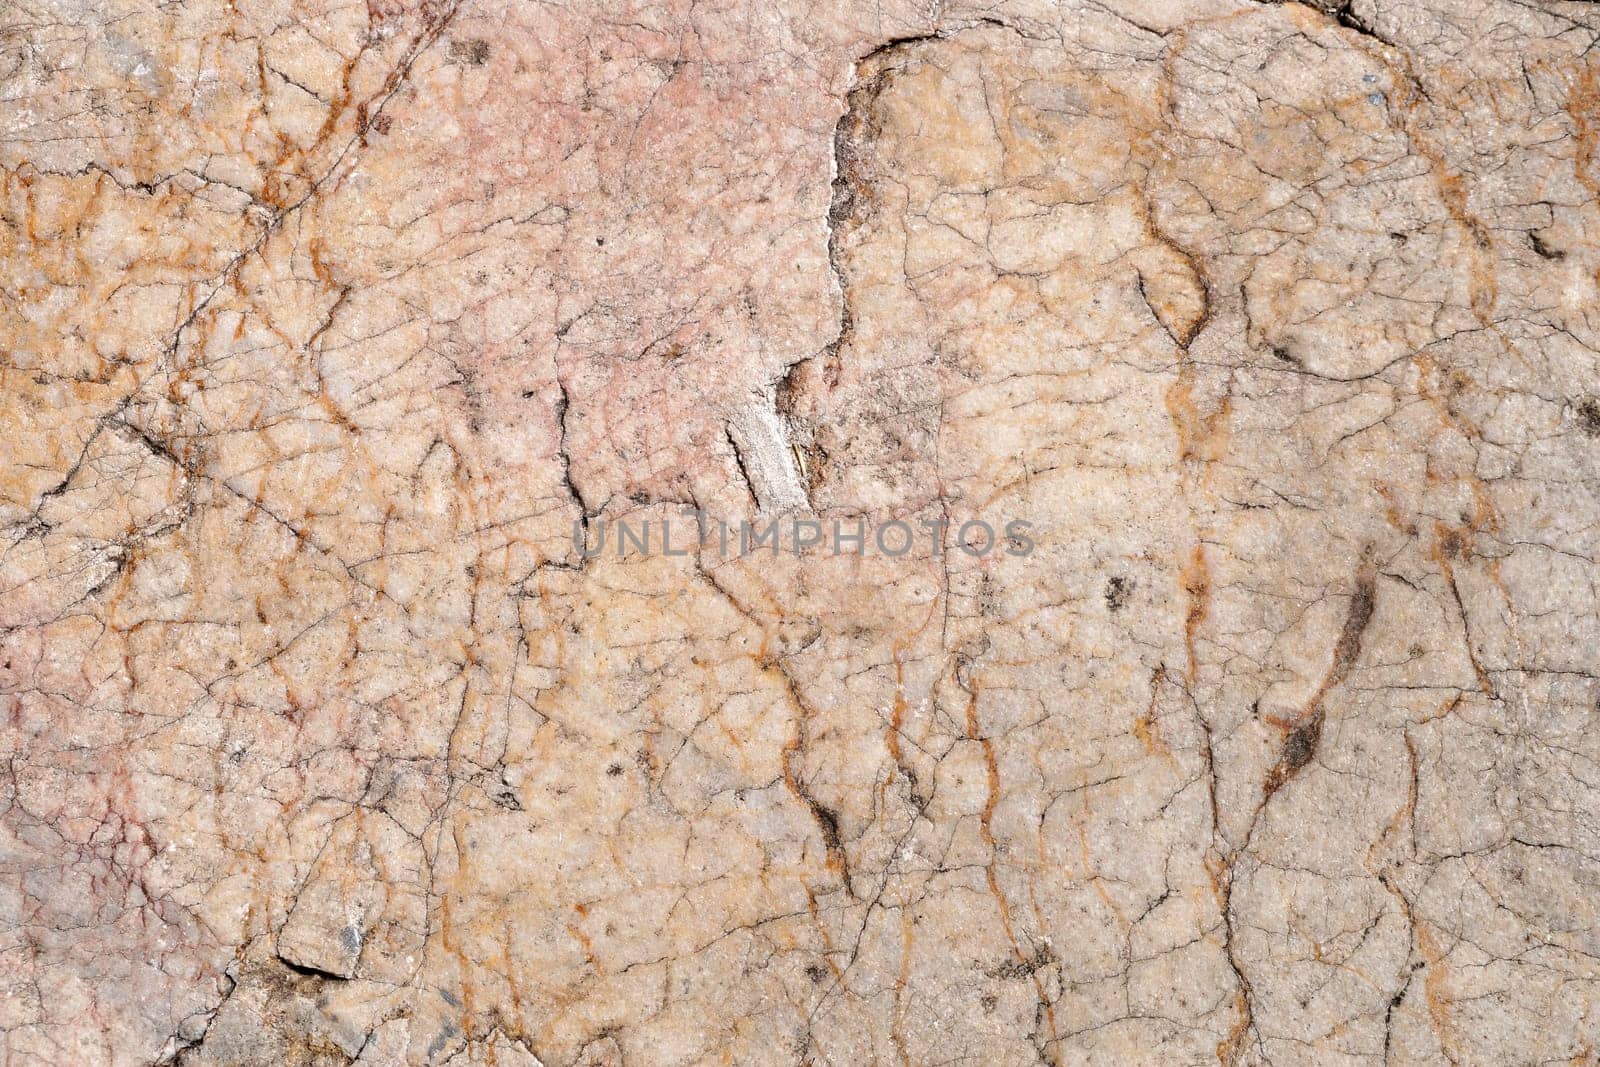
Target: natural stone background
322, 323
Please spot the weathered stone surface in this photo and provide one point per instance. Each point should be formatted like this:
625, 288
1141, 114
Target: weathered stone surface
1271, 740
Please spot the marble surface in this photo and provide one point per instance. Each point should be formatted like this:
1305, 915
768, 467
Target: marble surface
1273, 741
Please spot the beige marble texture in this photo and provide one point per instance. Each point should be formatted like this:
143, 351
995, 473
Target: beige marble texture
323, 322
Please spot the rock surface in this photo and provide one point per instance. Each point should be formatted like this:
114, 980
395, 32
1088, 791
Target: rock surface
1272, 738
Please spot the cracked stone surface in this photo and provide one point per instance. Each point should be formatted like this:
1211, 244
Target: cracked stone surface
323, 324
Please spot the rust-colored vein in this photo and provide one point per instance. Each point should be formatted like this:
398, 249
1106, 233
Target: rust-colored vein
1304, 731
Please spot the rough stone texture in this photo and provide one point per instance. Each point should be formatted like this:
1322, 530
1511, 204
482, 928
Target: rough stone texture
321, 324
